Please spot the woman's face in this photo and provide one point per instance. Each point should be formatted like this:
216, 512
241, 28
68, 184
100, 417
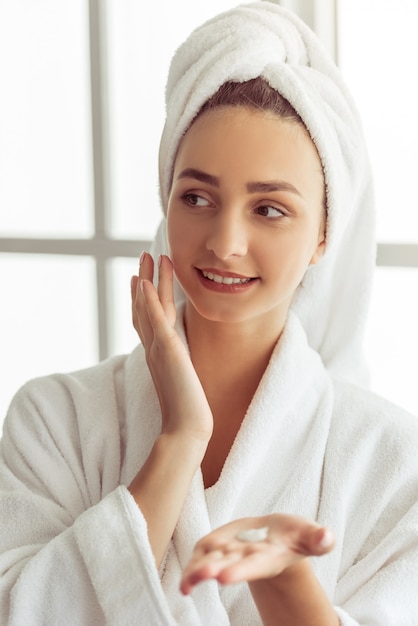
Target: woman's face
245, 214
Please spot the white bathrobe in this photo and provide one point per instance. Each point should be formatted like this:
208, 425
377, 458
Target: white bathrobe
74, 545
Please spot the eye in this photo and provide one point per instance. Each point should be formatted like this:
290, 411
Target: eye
193, 199
269, 211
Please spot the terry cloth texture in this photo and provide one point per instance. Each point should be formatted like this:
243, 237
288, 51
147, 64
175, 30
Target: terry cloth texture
263, 39
74, 545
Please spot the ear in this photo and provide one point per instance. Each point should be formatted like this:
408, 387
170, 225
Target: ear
319, 253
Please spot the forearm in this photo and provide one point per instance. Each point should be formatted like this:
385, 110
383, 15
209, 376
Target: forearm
161, 486
293, 597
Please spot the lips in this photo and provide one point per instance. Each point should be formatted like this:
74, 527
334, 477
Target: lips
225, 280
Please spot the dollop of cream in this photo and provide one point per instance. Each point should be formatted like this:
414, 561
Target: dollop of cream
253, 534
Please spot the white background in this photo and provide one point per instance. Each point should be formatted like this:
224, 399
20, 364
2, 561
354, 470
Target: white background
47, 314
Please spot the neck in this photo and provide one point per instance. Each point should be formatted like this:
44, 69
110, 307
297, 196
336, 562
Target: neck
226, 354
230, 360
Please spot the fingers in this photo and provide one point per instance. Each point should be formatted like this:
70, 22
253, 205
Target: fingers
320, 541
233, 564
256, 564
151, 308
139, 315
166, 288
207, 566
146, 267
302, 536
222, 555
160, 326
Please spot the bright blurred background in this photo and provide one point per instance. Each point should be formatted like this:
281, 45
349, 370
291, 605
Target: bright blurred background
81, 111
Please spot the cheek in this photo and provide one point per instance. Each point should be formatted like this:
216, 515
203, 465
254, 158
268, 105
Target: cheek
179, 234
172, 229
289, 259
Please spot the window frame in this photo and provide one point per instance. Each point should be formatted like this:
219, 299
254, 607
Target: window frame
321, 15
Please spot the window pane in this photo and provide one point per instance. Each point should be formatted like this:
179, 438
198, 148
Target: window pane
140, 46
378, 51
45, 151
123, 337
48, 318
392, 338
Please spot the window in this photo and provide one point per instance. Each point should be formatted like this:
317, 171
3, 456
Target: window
377, 52
78, 193
80, 117
47, 318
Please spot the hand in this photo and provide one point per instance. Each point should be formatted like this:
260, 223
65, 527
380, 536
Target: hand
184, 407
227, 559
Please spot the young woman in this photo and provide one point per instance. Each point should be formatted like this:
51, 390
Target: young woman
228, 471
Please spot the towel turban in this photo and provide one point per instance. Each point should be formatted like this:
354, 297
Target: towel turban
266, 40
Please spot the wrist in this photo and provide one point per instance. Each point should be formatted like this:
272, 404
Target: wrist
293, 597
296, 574
189, 449
161, 485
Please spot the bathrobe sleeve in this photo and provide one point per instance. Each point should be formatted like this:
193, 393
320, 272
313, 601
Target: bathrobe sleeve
370, 498
74, 545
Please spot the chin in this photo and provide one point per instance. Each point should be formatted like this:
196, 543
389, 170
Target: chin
216, 313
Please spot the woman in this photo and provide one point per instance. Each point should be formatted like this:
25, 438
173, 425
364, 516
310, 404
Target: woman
232, 445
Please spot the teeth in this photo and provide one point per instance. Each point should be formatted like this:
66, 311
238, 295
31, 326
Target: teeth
225, 280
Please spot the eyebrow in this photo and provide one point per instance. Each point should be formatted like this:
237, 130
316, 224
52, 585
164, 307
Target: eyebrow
191, 172
272, 185
253, 187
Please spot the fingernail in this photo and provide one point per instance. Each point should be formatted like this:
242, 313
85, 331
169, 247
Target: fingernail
141, 258
327, 539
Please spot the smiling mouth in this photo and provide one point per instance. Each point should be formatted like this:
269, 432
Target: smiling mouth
225, 280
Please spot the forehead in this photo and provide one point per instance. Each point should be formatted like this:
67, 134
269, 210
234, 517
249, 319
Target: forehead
257, 145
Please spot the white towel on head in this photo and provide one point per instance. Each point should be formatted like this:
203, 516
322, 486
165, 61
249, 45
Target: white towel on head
263, 39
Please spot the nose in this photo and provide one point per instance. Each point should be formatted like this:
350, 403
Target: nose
228, 236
